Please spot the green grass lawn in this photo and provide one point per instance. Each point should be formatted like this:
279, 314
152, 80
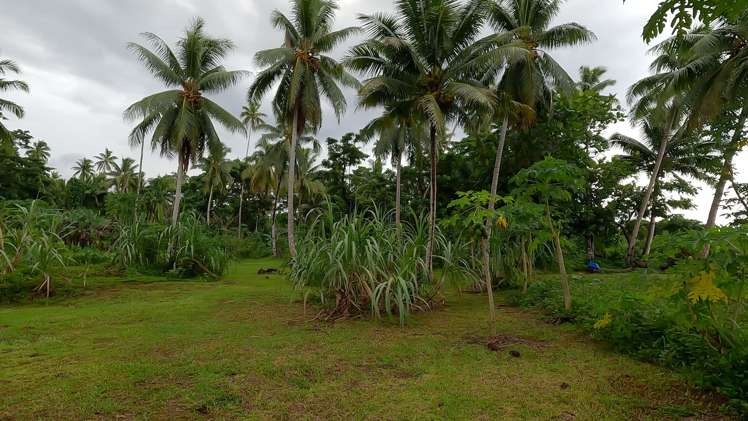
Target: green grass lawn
240, 348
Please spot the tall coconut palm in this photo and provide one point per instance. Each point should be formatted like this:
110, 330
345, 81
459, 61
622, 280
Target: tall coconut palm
306, 74
217, 173
686, 156
591, 79
105, 161
123, 176
182, 120
252, 118
83, 169
426, 57
6, 106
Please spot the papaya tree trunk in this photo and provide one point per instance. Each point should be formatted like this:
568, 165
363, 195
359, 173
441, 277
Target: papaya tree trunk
560, 260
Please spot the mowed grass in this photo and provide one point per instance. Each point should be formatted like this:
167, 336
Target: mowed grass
241, 348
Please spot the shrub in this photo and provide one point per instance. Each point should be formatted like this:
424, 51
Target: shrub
360, 264
185, 249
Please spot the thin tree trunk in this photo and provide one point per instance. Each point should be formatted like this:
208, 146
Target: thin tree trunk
241, 193
648, 193
273, 228
725, 174
140, 167
432, 206
741, 199
650, 233
398, 168
560, 259
178, 193
210, 202
241, 203
485, 243
291, 182
525, 268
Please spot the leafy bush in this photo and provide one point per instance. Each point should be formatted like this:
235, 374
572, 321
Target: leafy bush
693, 319
252, 245
361, 264
185, 249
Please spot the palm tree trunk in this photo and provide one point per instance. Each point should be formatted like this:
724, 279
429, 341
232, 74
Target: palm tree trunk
291, 182
398, 169
241, 193
140, 167
650, 233
725, 174
741, 199
432, 207
273, 227
241, 203
486, 242
210, 201
647, 195
178, 194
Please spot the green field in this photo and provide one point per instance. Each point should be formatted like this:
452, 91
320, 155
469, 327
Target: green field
242, 348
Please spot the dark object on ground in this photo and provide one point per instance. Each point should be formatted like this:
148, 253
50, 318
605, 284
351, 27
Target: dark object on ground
514, 353
565, 385
500, 342
264, 271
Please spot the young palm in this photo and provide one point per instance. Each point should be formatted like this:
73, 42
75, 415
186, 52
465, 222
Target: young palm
686, 156
265, 175
304, 74
123, 175
397, 131
425, 58
182, 120
39, 152
217, 174
6, 106
252, 118
591, 79
83, 169
105, 161
307, 182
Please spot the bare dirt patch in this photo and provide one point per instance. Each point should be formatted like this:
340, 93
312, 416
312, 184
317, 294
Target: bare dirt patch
501, 342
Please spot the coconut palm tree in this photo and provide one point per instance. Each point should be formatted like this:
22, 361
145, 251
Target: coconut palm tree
305, 74
307, 182
686, 156
397, 131
426, 57
105, 161
6, 106
123, 176
591, 79
83, 169
217, 174
252, 118
40, 152
181, 119
265, 175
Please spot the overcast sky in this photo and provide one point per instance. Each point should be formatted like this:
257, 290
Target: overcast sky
82, 77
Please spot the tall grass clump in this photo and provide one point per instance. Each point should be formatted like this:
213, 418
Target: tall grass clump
362, 264
184, 249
